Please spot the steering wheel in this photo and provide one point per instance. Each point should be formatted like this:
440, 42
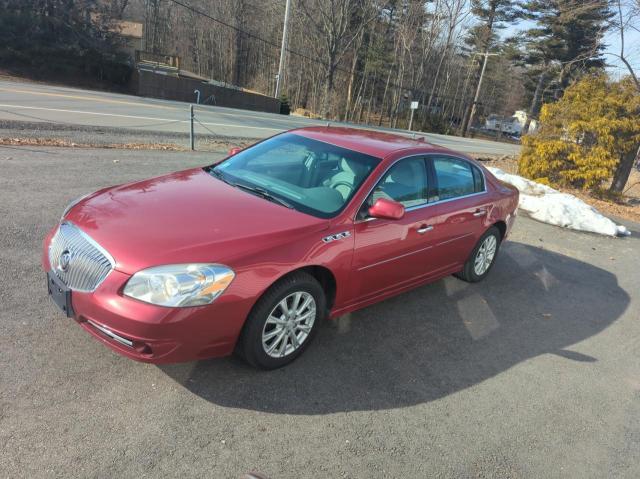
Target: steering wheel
342, 183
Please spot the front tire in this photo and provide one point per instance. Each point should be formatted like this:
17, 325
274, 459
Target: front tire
283, 322
482, 257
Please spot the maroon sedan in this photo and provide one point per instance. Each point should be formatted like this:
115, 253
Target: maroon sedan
252, 253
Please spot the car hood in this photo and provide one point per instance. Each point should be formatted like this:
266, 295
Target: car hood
187, 216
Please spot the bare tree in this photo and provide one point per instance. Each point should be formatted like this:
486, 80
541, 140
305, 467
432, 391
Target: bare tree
456, 12
338, 23
118, 7
624, 23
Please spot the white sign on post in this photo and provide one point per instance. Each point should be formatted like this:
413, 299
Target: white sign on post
414, 105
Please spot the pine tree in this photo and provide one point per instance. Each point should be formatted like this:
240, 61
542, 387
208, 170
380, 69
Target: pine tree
565, 44
493, 15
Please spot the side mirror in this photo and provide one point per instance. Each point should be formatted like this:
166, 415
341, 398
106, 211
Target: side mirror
386, 209
235, 150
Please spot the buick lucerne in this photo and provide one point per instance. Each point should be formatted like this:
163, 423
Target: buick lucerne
250, 254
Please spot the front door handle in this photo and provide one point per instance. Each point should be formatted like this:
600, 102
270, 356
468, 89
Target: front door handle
423, 229
479, 213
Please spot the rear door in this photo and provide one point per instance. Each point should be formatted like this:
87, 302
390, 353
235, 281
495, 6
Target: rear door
393, 253
460, 205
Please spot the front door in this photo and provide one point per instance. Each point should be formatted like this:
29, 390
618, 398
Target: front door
393, 253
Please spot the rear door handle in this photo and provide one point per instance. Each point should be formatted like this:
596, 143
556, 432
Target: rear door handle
423, 229
479, 213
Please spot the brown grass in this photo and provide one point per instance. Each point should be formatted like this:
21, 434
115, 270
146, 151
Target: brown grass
61, 142
207, 145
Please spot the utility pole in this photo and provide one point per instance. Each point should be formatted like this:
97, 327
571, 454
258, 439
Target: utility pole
474, 105
283, 48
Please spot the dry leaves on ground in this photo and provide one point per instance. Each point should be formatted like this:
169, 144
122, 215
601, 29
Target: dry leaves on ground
61, 142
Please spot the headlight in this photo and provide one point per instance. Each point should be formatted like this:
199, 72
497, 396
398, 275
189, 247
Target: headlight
180, 285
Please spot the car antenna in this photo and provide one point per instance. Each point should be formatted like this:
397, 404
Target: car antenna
328, 124
413, 136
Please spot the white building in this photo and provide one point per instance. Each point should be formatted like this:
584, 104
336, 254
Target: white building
510, 125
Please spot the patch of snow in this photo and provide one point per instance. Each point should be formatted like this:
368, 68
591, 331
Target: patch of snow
548, 205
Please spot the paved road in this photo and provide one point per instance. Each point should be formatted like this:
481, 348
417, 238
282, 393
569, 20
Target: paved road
533, 373
36, 102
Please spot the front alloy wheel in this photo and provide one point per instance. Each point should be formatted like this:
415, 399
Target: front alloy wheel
283, 321
289, 324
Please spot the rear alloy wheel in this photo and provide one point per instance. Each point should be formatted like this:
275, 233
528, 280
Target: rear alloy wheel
283, 322
482, 257
485, 255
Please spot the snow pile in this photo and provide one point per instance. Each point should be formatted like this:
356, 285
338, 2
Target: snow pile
545, 204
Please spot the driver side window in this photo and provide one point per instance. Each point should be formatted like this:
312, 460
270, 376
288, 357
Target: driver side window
406, 182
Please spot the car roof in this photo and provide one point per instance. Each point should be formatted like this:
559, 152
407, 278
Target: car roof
369, 142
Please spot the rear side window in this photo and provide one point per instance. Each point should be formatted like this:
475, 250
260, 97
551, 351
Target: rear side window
478, 179
455, 178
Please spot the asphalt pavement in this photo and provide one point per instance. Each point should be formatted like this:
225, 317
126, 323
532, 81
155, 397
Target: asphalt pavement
534, 372
33, 102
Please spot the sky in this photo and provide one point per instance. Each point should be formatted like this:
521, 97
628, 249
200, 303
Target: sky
632, 51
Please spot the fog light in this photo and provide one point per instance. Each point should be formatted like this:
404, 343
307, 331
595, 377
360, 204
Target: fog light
142, 348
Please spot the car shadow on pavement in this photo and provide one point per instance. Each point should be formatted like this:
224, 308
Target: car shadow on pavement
428, 343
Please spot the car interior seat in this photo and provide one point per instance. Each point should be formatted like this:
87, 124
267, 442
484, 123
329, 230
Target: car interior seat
350, 174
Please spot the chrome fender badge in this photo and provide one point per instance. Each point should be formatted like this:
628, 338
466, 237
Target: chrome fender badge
337, 236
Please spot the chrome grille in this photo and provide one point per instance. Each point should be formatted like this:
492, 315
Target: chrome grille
79, 262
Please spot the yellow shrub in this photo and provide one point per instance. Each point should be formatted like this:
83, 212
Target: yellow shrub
583, 135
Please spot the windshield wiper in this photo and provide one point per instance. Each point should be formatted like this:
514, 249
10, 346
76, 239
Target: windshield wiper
220, 176
264, 194
253, 189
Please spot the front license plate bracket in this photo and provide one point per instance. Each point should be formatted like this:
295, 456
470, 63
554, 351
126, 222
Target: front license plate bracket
60, 294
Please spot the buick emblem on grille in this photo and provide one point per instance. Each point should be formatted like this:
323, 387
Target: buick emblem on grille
78, 261
65, 259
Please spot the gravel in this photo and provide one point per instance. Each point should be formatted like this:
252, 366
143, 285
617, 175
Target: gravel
533, 373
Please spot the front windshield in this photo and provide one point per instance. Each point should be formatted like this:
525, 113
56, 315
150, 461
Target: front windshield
309, 175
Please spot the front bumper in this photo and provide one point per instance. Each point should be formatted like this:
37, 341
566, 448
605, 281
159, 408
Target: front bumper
157, 334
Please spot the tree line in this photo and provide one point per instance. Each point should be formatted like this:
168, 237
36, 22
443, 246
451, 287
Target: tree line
62, 40
357, 60
366, 60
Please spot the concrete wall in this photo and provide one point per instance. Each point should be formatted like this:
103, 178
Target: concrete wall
155, 85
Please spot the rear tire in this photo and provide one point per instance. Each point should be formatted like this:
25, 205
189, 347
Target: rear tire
283, 322
482, 257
